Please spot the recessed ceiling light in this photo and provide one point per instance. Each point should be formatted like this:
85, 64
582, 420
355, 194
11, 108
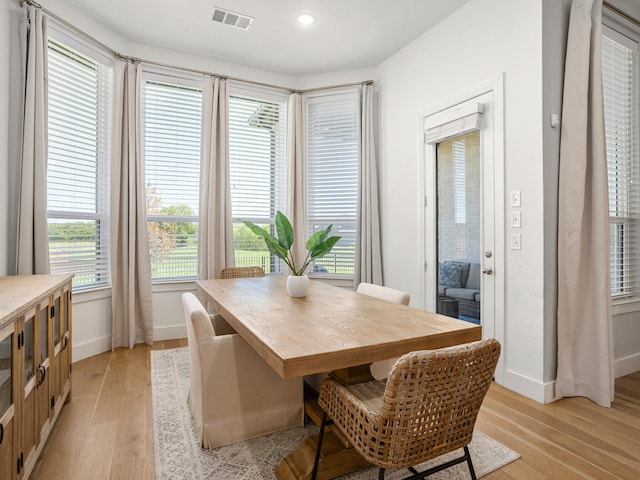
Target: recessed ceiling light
306, 18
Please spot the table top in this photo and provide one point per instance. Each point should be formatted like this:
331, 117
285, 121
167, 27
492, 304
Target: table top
330, 328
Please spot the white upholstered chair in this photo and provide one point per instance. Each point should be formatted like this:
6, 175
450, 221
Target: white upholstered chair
233, 394
380, 370
384, 293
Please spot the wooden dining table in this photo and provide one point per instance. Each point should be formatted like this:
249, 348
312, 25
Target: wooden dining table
331, 329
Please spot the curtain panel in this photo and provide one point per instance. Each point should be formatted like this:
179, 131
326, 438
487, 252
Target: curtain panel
296, 177
131, 299
585, 340
368, 257
215, 229
32, 256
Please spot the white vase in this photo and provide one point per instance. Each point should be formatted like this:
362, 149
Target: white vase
297, 285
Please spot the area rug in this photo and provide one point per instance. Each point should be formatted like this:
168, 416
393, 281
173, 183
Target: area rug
179, 456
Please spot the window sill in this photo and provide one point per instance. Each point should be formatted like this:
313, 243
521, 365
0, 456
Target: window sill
625, 305
173, 286
91, 295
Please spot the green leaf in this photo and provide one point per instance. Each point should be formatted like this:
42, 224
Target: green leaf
322, 248
275, 248
318, 237
318, 245
257, 230
272, 243
285, 230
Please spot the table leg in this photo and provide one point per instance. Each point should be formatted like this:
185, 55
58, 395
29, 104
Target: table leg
338, 457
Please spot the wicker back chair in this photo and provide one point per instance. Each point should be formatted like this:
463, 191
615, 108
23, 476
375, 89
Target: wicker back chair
427, 407
241, 272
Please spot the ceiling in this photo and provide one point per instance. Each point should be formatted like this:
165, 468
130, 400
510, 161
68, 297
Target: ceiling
347, 34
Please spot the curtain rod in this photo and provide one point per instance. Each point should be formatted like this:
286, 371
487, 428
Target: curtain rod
186, 69
622, 13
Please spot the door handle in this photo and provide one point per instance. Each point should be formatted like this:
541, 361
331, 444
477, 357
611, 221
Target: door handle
487, 270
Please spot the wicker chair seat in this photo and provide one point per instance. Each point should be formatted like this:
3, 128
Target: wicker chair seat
369, 394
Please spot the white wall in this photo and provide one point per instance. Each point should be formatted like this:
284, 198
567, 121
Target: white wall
469, 49
526, 42
555, 23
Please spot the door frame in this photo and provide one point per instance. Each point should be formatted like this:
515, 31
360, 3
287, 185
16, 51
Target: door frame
427, 188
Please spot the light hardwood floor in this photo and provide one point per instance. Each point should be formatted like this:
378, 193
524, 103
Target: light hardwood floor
106, 432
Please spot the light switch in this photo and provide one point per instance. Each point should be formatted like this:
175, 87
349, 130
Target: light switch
516, 219
515, 198
516, 241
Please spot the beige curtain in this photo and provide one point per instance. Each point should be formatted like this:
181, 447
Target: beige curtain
296, 176
368, 261
130, 265
215, 230
585, 351
32, 242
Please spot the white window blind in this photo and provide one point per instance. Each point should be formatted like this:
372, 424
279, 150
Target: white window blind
171, 120
257, 159
460, 181
620, 83
332, 176
77, 169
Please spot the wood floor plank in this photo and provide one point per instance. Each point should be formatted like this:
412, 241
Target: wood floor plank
569, 438
106, 431
96, 456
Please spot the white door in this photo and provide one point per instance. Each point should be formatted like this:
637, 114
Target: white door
463, 265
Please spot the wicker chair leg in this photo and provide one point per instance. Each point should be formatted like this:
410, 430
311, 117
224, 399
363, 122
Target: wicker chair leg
425, 473
381, 474
314, 472
470, 463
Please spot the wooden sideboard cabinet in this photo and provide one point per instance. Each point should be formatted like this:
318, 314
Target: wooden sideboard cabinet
35, 366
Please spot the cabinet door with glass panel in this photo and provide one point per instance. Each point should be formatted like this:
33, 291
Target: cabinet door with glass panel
43, 399
8, 389
65, 339
27, 349
55, 392
59, 384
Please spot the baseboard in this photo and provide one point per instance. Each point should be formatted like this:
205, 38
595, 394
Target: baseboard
626, 365
90, 348
170, 332
99, 345
540, 392
546, 392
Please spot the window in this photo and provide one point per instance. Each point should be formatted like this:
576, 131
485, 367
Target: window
257, 159
332, 176
620, 85
77, 169
171, 123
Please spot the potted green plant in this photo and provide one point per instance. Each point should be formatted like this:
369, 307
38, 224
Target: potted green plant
318, 245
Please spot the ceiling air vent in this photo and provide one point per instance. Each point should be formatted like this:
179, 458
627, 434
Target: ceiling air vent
232, 19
